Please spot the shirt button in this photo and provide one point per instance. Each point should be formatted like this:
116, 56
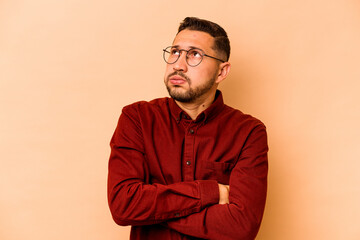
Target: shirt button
177, 214
191, 131
188, 163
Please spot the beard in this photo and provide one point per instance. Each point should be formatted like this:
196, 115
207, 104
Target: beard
191, 94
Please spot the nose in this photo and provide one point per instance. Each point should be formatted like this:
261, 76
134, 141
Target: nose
181, 64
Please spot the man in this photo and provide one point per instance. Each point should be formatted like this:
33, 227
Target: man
189, 166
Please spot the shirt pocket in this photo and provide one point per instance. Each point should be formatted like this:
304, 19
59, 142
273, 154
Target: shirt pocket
220, 171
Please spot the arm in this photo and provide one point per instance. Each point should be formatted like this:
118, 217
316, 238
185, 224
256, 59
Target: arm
240, 219
132, 199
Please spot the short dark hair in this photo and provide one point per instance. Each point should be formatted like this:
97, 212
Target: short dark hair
222, 43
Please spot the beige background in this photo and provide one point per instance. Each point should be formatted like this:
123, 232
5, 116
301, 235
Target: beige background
68, 67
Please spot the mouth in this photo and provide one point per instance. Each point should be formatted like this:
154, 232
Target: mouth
177, 80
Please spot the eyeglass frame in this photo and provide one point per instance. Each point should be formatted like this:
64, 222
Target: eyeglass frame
187, 51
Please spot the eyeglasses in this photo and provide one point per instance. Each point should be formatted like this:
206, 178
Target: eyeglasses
194, 56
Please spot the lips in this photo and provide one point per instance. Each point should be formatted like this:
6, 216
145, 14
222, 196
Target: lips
177, 80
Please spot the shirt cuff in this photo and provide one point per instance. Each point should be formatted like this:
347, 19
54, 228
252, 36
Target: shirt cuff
209, 192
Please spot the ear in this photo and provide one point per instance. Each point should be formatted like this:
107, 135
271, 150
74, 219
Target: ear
224, 70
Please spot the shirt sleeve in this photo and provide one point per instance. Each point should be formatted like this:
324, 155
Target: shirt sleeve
241, 218
132, 200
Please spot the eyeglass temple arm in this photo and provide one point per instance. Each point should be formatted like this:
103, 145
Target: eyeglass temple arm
214, 58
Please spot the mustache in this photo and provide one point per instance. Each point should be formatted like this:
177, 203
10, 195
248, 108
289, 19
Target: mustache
181, 74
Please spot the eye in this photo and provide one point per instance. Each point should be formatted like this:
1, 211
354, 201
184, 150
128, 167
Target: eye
174, 51
194, 53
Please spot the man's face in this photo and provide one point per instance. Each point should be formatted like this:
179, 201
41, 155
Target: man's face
185, 83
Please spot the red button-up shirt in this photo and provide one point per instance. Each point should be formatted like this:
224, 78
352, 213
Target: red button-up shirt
164, 171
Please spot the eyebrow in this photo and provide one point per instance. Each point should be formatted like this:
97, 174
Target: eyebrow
190, 47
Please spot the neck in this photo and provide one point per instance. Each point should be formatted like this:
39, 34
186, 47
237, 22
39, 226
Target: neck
194, 108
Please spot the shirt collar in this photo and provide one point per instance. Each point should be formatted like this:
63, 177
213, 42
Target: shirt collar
209, 113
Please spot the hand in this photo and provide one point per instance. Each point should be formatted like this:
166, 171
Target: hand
223, 193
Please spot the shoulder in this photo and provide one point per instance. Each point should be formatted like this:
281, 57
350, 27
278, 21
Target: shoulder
142, 107
237, 117
240, 116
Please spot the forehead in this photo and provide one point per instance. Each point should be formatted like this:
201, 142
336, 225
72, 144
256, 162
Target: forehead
190, 38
